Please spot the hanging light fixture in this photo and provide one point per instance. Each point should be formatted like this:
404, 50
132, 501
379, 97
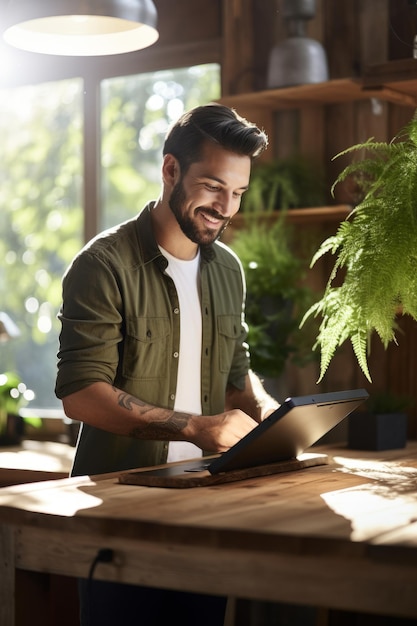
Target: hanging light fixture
298, 59
81, 27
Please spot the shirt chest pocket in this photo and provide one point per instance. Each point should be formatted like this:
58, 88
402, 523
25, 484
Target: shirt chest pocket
146, 348
228, 328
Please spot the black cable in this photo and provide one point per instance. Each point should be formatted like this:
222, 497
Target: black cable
104, 555
410, 45
412, 4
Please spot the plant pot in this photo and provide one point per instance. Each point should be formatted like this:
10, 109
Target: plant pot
11, 429
377, 431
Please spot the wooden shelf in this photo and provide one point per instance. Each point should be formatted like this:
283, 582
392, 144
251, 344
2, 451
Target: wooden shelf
402, 71
402, 92
336, 213
322, 214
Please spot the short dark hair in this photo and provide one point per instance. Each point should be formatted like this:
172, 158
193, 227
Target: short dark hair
217, 123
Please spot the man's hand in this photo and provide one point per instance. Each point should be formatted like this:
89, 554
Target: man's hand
116, 411
253, 399
218, 433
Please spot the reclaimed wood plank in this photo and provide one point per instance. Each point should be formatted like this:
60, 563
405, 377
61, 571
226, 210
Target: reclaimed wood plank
145, 477
358, 584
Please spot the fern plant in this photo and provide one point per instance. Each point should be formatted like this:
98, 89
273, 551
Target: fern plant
376, 252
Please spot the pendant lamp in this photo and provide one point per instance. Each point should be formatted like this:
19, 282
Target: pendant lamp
298, 59
81, 27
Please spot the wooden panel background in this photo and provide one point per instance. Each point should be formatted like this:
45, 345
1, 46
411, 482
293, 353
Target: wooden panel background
347, 30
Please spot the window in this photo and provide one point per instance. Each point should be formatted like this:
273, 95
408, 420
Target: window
41, 213
41, 222
136, 113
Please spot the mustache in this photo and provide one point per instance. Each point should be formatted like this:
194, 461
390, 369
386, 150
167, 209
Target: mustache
212, 212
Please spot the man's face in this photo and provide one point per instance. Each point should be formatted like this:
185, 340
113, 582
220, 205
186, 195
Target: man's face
208, 195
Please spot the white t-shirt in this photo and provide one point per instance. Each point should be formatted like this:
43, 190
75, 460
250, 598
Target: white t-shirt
186, 277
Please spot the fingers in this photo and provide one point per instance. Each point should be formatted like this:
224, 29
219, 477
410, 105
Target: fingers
220, 432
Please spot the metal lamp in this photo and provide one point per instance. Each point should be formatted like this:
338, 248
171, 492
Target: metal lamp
81, 27
298, 59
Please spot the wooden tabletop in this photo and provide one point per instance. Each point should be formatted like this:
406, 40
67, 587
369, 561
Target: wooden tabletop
331, 498
342, 534
33, 461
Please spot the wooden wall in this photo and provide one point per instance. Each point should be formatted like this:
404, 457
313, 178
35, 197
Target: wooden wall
356, 34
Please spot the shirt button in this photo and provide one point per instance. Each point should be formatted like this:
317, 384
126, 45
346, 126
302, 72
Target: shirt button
175, 355
176, 311
172, 396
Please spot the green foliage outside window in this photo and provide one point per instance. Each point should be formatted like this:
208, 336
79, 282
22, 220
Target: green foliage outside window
41, 212
137, 111
40, 221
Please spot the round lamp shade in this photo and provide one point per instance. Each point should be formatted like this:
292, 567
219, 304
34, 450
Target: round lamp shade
81, 27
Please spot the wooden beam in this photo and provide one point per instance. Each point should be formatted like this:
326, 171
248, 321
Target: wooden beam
27, 68
237, 53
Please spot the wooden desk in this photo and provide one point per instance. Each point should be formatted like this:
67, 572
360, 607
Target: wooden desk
33, 461
342, 535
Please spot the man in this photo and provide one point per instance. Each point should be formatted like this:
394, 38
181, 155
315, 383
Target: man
153, 359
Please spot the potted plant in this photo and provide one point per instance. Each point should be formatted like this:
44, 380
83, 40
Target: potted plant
374, 276
13, 395
284, 184
382, 425
276, 295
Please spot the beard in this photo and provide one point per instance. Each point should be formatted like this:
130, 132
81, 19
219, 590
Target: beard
199, 235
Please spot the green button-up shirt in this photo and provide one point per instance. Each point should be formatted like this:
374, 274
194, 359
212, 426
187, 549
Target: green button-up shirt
121, 324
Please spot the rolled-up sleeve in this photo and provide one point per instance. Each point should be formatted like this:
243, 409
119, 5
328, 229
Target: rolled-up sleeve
91, 322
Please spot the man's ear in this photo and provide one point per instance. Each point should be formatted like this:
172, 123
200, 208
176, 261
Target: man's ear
171, 172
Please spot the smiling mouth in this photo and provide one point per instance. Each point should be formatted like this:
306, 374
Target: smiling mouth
212, 216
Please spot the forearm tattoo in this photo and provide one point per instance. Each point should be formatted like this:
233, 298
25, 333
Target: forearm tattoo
168, 425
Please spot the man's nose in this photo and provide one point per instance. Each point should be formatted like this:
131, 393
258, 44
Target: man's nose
225, 203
